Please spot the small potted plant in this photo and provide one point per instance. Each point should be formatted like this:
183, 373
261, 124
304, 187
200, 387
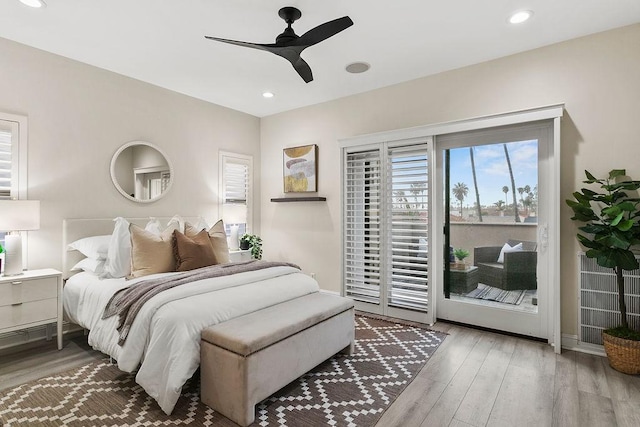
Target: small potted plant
460, 255
253, 242
611, 229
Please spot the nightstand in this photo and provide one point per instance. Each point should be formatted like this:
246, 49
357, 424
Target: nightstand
241, 255
31, 299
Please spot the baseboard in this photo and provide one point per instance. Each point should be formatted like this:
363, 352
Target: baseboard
37, 333
571, 342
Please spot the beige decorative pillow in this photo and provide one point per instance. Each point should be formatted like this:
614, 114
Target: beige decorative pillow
218, 239
151, 253
192, 252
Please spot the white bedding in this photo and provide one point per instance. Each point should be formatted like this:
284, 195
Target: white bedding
164, 340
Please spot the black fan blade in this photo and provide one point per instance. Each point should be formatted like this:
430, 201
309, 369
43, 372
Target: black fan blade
303, 69
259, 46
323, 31
292, 54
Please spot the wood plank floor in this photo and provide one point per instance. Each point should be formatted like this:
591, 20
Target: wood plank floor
475, 378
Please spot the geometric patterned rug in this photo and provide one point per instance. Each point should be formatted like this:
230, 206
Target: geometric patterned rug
343, 391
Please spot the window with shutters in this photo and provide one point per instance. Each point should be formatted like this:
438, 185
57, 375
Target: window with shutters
13, 167
386, 225
236, 182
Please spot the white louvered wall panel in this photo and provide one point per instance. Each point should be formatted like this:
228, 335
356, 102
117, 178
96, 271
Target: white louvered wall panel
598, 299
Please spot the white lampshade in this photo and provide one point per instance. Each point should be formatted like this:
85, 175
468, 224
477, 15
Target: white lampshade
233, 213
19, 215
16, 216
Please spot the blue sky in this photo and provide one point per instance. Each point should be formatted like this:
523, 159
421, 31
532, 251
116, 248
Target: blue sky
492, 171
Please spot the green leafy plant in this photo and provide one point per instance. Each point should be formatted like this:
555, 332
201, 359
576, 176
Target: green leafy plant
255, 244
611, 229
461, 254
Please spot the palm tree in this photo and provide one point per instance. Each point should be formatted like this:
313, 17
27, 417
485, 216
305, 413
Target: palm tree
475, 184
520, 191
417, 191
505, 190
460, 191
528, 202
499, 204
513, 184
401, 199
527, 190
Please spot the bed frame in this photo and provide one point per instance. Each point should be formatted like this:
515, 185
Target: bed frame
77, 228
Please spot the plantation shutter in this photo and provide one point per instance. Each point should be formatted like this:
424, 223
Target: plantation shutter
362, 226
236, 178
236, 182
406, 219
6, 164
385, 227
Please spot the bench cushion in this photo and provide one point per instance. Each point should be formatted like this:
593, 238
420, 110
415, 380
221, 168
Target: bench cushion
255, 331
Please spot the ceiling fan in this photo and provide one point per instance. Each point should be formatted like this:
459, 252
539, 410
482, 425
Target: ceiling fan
289, 45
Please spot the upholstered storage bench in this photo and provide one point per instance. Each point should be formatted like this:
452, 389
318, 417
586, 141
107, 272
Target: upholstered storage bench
247, 359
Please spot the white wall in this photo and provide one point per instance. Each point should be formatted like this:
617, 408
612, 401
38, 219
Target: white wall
80, 115
595, 76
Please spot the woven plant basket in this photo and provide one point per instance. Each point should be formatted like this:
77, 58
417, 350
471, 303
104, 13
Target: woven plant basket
624, 355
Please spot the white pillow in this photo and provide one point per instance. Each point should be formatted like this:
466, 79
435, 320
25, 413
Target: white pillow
95, 247
177, 223
201, 224
507, 248
92, 265
153, 226
118, 263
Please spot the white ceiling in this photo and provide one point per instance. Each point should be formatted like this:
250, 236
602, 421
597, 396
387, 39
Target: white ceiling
162, 41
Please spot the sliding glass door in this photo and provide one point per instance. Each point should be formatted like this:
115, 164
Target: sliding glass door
494, 195
457, 221
386, 228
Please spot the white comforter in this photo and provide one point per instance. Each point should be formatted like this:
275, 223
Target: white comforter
164, 340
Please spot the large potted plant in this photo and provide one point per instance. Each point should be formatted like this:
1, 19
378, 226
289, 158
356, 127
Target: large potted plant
611, 229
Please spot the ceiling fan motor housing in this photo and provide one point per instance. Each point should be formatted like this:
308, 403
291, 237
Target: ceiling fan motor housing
289, 14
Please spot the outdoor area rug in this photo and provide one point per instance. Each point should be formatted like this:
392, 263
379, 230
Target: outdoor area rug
343, 391
496, 294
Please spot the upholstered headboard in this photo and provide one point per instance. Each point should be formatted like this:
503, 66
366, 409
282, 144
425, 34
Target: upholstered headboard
77, 228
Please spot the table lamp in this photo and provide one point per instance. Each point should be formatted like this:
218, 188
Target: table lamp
234, 215
16, 216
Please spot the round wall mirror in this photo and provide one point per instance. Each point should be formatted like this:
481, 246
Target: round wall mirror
141, 172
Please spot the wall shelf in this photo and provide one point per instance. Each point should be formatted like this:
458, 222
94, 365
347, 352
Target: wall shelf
299, 199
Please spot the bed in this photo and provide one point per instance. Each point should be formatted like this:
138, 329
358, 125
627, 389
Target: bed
163, 343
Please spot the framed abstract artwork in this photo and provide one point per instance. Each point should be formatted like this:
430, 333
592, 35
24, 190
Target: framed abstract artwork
300, 167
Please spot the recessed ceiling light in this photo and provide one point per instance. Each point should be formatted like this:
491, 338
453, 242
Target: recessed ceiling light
34, 3
357, 67
520, 17
268, 94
